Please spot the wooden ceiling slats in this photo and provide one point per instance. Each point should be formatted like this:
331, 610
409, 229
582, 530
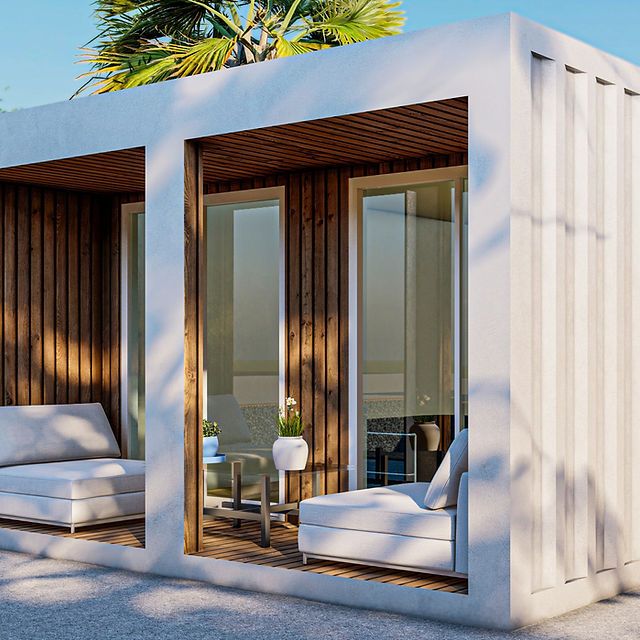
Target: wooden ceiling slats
361, 135
274, 142
274, 145
114, 171
385, 135
429, 128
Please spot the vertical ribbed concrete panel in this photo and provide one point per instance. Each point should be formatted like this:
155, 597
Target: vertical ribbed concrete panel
608, 421
585, 341
545, 335
577, 327
632, 180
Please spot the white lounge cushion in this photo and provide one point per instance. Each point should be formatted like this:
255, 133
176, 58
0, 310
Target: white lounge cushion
60, 511
443, 488
365, 547
52, 433
397, 509
74, 479
462, 526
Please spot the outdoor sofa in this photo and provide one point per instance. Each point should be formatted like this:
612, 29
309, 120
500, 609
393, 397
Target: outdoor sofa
417, 526
61, 465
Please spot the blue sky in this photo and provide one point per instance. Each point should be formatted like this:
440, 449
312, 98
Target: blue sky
39, 39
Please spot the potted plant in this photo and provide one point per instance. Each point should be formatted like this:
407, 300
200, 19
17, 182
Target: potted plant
210, 433
290, 451
425, 426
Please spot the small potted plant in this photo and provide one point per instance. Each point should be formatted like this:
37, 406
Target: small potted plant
290, 451
210, 433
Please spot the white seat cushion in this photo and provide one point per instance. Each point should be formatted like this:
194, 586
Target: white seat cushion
365, 547
19, 506
443, 488
74, 479
395, 510
51, 433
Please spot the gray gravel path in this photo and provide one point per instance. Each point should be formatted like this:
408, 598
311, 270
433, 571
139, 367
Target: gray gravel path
42, 599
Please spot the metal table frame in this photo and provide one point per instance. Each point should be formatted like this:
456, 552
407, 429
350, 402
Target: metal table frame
238, 511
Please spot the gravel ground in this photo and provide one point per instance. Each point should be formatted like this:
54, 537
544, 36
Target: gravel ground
44, 599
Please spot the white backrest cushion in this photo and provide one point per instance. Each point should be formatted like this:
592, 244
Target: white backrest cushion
443, 489
225, 410
53, 433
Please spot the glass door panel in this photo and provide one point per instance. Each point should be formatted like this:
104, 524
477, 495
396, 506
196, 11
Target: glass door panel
242, 339
135, 334
408, 329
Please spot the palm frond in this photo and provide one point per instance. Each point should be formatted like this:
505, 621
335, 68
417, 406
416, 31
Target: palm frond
123, 71
349, 21
116, 7
285, 48
145, 41
207, 55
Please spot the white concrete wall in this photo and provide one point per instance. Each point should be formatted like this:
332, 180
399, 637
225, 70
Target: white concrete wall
468, 59
575, 239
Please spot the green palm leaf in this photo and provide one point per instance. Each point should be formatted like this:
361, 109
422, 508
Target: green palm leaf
207, 55
145, 41
350, 21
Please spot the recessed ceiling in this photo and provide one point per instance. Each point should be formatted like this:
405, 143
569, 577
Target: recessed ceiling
413, 131
376, 136
113, 172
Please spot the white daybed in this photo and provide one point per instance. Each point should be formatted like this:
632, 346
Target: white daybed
61, 465
417, 526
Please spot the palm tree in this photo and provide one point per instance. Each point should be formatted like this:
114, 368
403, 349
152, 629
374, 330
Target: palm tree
146, 41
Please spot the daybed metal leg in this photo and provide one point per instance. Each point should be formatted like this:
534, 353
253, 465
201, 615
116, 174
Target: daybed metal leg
305, 560
73, 528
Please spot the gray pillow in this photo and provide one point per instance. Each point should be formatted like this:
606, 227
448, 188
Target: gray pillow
443, 489
225, 410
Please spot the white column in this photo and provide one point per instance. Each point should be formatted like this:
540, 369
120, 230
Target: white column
489, 332
164, 349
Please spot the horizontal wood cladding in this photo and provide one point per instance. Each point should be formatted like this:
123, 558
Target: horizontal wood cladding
60, 298
317, 283
386, 135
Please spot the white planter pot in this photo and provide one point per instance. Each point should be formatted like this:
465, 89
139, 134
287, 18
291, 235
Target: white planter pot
431, 434
290, 453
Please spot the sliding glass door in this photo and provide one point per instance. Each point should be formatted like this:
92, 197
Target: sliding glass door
243, 333
412, 323
133, 358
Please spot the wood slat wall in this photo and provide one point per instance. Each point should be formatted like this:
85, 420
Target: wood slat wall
60, 298
317, 304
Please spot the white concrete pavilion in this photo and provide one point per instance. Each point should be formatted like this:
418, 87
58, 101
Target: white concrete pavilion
546, 294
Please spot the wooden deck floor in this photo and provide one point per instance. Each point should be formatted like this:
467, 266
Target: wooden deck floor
223, 542
129, 534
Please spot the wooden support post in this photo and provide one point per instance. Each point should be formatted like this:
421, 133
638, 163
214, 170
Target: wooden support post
193, 349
